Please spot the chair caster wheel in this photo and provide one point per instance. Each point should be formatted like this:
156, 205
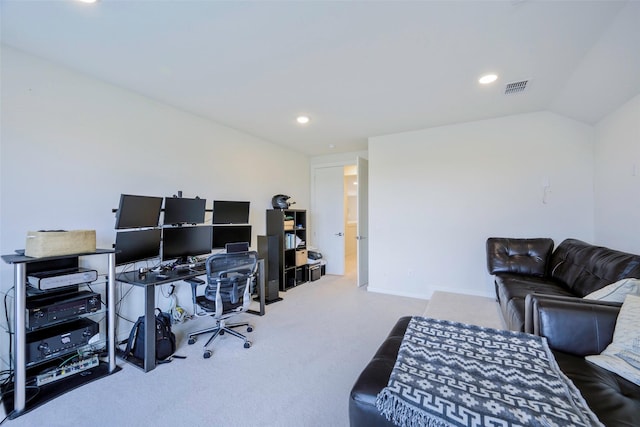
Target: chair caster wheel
207, 354
221, 332
247, 344
249, 329
191, 341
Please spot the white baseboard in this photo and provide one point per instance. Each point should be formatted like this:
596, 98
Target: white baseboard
424, 296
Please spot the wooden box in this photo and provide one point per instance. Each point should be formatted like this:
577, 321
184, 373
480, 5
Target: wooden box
301, 257
53, 243
288, 224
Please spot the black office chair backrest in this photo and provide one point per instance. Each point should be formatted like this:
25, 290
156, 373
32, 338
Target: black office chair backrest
233, 272
236, 247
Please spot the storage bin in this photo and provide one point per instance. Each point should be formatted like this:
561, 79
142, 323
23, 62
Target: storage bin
301, 257
54, 243
301, 275
314, 273
288, 224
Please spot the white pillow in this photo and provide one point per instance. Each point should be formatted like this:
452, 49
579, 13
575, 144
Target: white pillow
616, 292
622, 356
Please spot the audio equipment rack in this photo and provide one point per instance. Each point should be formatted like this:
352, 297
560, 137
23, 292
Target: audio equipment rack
63, 332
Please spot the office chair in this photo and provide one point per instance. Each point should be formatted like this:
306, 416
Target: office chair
228, 293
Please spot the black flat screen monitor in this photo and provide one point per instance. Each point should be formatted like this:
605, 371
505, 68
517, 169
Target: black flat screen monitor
137, 245
138, 211
181, 210
229, 212
181, 242
223, 234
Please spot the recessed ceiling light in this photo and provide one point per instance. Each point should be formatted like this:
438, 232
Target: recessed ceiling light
303, 120
488, 78
87, 1
332, 145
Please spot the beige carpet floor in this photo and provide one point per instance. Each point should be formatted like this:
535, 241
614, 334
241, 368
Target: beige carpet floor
471, 309
307, 352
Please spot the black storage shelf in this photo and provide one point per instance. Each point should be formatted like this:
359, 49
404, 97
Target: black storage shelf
290, 225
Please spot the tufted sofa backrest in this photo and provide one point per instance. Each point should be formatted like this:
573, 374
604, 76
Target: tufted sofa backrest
518, 256
585, 268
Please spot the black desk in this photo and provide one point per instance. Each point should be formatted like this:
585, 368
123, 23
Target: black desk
149, 281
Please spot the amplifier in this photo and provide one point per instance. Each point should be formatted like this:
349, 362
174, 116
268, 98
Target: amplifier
44, 310
58, 278
59, 340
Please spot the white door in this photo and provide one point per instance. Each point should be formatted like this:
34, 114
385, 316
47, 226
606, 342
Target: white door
328, 217
363, 222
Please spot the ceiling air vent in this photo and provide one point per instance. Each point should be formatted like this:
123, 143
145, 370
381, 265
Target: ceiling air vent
515, 87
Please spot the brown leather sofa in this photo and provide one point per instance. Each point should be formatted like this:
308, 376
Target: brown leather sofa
573, 328
575, 268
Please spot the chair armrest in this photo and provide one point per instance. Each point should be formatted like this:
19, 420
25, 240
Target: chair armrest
573, 325
519, 256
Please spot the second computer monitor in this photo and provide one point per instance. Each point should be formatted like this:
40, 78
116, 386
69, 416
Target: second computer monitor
181, 242
230, 212
223, 234
138, 211
137, 245
182, 210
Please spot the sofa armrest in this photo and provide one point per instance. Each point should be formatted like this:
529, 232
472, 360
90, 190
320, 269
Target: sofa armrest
519, 256
573, 325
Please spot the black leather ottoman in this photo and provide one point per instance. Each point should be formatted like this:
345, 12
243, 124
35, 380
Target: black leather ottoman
374, 377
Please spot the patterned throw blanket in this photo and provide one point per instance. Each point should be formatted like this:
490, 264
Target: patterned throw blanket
453, 374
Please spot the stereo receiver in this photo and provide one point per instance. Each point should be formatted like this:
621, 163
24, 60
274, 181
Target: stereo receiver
59, 340
44, 310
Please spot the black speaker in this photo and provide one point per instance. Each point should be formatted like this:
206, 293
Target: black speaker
268, 249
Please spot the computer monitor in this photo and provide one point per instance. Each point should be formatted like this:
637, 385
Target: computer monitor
230, 212
138, 211
223, 234
181, 242
138, 245
182, 210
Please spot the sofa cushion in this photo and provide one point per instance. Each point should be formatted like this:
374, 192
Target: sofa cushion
622, 356
613, 399
616, 292
518, 256
512, 289
510, 286
585, 268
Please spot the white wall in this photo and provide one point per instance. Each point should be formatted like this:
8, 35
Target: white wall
436, 195
617, 178
71, 145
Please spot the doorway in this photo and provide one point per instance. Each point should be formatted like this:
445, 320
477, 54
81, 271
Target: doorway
339, 218
350, 219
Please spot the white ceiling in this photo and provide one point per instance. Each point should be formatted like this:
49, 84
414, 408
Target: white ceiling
359, 69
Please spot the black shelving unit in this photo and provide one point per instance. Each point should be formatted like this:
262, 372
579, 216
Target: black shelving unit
290, 225
18, 398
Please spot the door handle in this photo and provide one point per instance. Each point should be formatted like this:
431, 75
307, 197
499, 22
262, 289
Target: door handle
361, 237
339, 234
